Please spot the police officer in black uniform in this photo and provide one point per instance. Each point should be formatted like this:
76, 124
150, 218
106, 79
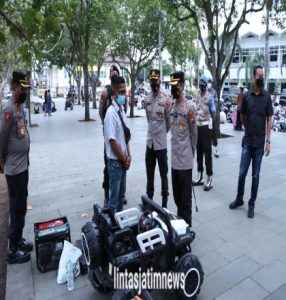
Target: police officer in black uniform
14, 162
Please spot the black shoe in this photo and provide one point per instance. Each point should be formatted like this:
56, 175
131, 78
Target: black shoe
17, 257
199, 180
124, 201
250, 212
235, 204
25, 246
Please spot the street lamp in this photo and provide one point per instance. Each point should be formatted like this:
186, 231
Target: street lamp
161, 14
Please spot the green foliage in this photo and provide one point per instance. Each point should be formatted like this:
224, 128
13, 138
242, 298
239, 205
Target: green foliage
2, 38
278, 13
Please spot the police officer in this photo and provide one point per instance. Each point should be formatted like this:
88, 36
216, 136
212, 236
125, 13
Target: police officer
213, 92
14, 162
204, 108
183, 144
157, 111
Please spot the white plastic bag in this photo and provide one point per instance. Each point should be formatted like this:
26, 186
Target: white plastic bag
72, 253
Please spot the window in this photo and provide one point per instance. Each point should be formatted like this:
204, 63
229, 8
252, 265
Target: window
235, 58
250, 52
273, 53
102, 74
245, 54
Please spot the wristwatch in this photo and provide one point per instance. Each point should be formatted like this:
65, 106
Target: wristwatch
268, 142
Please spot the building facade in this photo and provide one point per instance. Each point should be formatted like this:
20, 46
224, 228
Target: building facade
251, 51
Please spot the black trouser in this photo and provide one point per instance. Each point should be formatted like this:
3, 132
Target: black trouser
150, 161
18, 192
182, 192
105, 183
204, 147
238, 122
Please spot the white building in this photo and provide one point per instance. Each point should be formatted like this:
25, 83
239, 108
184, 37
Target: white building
249, 45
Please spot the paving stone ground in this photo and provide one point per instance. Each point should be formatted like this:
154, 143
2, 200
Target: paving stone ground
242, 258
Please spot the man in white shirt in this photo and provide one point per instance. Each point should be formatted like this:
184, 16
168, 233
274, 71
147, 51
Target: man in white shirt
117, 136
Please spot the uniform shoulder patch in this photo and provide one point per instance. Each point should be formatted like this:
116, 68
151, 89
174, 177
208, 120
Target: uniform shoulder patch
6, 115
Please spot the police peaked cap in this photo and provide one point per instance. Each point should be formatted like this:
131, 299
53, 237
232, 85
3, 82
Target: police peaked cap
177, 77
154, 74
21, 78
204, 79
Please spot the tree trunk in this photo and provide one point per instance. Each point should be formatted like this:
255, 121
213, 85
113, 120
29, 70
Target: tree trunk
132, 96
70, 76
4, 220
93, 86
28, 102
86, 92
78, 90
2, 85
217, 87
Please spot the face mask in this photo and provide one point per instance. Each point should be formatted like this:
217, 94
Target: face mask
260, 82
209, 85
155, 87
202, 87
121, 99
22, 97
175, 92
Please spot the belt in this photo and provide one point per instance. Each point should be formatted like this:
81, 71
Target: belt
202, 123
112, 159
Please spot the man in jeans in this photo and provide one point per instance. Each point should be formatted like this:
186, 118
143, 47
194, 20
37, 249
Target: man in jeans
105, 102
255, 114
117, 150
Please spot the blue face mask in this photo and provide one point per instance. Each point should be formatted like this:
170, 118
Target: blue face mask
121, 99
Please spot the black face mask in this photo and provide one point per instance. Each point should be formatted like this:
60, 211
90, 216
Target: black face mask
22, 97
260, 82
202, 87
155, 87
175, 92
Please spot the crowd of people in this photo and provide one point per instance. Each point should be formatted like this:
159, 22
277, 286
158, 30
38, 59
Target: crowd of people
190, 122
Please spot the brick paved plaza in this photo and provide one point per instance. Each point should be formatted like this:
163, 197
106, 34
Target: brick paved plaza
242, 258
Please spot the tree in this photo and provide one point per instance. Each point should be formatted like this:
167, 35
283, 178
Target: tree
137, 38
86, 19
97, 57
278, 13
37, 24
9, 57
222, 21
